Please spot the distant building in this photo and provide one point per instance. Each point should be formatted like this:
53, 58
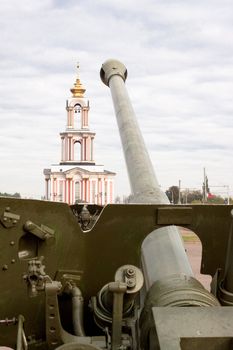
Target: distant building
77, 178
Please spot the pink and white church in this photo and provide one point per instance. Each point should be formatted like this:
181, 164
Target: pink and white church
77, 178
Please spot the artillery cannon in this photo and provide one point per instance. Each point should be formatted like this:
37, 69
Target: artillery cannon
124, 281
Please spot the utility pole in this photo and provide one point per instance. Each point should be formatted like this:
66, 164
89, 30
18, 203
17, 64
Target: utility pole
204, 188
179, 201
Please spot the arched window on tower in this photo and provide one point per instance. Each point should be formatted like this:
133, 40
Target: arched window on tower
77, 116
77, 151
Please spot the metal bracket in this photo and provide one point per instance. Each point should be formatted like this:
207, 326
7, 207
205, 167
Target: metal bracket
118, 289
21, 337
9, 321
35, 277
53, 323
38, 281
9, 219
21, 343
43, 232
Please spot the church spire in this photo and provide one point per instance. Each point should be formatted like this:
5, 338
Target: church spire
78, 90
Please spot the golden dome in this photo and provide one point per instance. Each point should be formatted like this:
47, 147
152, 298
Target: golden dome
78, 90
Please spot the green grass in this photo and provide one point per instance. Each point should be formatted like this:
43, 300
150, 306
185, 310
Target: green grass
190, 237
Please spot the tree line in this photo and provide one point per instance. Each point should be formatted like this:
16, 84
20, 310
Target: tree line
186, 197
14, 195
193, 197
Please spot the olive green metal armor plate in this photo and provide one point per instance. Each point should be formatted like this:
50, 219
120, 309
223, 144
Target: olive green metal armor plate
92, 257
188, 328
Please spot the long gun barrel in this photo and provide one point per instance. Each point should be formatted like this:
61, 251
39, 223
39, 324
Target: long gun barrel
143, 181
168, 275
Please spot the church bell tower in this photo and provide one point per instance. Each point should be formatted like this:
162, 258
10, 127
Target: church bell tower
77, 139
77, 178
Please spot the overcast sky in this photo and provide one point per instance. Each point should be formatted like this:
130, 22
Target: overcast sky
179, 56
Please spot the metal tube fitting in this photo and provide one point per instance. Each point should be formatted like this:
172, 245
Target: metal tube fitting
132, 277
77, 311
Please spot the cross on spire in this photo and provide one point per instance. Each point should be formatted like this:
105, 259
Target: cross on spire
78, 90
78, 69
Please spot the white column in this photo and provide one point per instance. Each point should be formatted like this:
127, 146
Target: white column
68, 117
67, 194
113, 191
86, 110
103, 189
72, 149
72, 118
62, 139
68, 148
65, 148
58, 189
96, 191
87, 190
46, 188
82, 147
51, 188
70, 190
74, 191
88, 151
85, 122
64, 190
82, 118
91, 201
92, 148
106, 188
55, 189
99, 197
83, 189
107, 191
